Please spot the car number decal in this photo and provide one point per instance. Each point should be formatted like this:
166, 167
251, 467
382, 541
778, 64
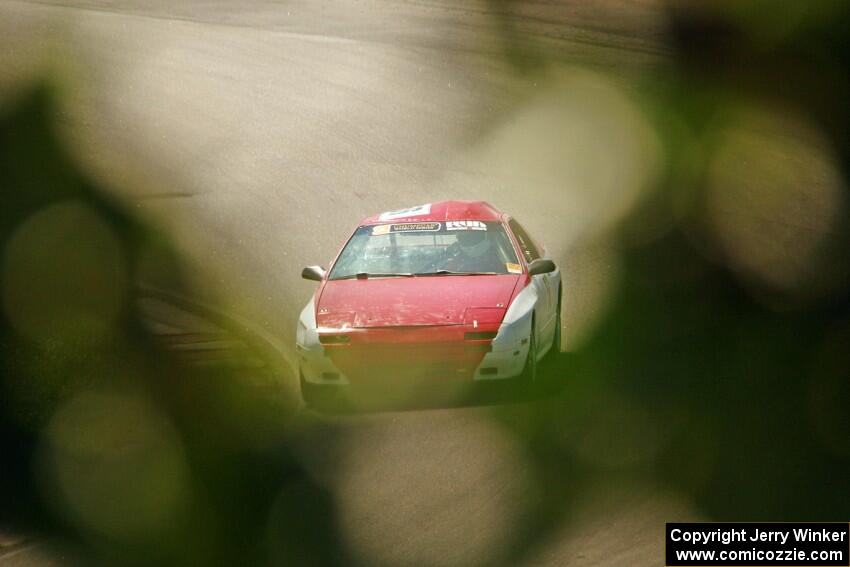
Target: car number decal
409, 212
465, 225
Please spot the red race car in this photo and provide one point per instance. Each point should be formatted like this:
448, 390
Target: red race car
449, 291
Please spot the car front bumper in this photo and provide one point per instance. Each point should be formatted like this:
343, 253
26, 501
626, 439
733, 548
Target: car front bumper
408, 360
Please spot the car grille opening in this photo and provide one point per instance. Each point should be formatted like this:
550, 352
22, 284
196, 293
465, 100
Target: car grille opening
489, 371
334, 339
480, 336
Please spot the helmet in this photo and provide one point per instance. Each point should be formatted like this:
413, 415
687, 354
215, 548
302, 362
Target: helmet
473, 242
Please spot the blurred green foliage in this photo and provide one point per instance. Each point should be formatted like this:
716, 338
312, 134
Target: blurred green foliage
706, 374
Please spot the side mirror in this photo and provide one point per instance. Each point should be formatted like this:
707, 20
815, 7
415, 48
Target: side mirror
541, 266
315, 273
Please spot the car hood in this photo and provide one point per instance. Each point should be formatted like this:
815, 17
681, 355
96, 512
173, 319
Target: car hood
416, 301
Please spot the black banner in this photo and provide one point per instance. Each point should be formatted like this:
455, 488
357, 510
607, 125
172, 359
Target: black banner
757, 544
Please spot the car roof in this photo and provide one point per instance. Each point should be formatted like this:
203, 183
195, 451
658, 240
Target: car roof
440, 211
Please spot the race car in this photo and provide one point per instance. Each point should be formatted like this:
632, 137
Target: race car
455, 291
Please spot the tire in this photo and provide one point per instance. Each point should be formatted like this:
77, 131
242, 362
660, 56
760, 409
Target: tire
555, 349
314, 395
529, 372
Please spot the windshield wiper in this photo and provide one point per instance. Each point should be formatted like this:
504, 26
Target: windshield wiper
453, 273
367, 275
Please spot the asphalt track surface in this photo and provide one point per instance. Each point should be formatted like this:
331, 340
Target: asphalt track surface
266, 131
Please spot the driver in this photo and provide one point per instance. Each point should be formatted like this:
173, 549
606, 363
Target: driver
474, 252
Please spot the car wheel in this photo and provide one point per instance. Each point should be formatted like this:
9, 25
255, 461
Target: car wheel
310, 393
555, 350
529, 372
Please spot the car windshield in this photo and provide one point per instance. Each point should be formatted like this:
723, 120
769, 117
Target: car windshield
427, 248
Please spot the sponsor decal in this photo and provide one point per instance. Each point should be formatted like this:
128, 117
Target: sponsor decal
406, 227
409, 212
415, 227
465, 225
513, 268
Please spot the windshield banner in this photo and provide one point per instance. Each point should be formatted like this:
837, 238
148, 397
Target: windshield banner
406, 227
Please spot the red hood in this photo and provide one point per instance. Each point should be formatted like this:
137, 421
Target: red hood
398, 302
